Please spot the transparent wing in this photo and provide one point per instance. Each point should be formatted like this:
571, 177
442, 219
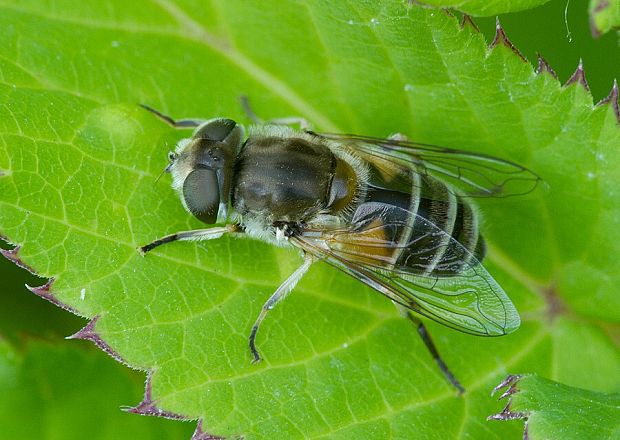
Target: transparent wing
472, 174
470, 301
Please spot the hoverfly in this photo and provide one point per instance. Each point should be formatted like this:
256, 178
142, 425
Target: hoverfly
396, 215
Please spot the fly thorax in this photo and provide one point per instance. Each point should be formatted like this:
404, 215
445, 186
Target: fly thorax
284, 179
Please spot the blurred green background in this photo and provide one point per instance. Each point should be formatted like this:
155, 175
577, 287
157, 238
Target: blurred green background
26, 319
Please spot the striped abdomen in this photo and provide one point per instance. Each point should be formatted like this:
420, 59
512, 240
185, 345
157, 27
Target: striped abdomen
433, 231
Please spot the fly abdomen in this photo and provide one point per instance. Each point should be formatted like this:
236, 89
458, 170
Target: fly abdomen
440, 234
445, 233
467, 241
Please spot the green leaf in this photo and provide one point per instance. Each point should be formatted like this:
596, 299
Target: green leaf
80, 160
604, 16
484, 8
52, 392
554, 410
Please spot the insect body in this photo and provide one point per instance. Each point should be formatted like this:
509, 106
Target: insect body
393, 214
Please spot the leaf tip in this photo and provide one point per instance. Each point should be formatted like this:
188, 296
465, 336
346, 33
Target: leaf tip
544, 67
45, 292
468, 22
148, 407
502, 39
612, 99
88, 333
578, 77
507, 414
509, 381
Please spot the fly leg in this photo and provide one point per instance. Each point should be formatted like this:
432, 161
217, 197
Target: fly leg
195, 235
285, 288
180, 123
292, 120
430, 345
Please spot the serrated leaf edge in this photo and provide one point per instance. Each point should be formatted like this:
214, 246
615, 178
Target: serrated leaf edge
545, 67
148, 406
612, 99
13, 256
510, 385
45, 291
88, 333
578, 77
502, 39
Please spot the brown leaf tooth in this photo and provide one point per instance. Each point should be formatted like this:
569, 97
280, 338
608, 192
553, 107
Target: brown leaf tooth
88, 333
512, 389
148, 406
12, 255
448, 12
501, 38
612, 99
543, 66
506, 414
45, 292
578, 77
510, 380
469, 22
199, 434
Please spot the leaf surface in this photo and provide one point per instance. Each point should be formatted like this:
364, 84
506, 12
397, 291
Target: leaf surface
79, 161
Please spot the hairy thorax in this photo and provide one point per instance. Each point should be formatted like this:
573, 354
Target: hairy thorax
290, 180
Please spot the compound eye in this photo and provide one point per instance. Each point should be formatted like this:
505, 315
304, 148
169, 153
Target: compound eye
216, 130
202, 194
